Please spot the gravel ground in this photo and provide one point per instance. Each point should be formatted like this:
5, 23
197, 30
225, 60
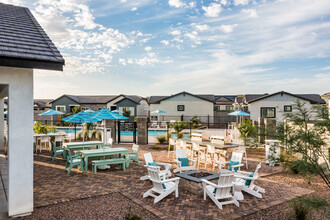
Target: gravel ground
285, 211
112, 206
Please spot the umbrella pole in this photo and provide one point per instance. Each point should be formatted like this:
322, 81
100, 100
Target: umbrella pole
75, 131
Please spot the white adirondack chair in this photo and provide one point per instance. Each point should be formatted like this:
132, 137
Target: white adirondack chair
223, 189
243, 149
161, 186
250, 188
163, 173
181, 153
235, 156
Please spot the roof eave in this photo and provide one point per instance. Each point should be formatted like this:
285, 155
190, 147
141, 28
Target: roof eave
32, 64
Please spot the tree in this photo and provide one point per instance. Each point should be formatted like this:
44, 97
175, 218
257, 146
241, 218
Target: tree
246, 128
127, 112
178, 127
307, 134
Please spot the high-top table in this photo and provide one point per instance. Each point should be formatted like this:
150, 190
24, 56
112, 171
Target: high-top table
82, 145
104, 152
216, 145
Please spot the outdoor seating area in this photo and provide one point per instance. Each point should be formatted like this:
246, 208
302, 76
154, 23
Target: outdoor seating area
79, 186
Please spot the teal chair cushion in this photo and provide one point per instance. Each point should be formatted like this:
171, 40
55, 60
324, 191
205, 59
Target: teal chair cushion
184, 162
233, 163
215, 189
153, 164
248, 182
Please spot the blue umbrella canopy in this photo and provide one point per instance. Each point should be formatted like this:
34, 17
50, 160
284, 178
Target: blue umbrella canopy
81, 117
239, 113
52, 112
158, 111
89, 111
106, 114
117, 111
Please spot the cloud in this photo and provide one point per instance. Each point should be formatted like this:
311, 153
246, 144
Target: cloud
200, 27
241, 2
134, 9
227, 28
148, 48
176, 32
213, 10
250, 13
165, 42
180, 4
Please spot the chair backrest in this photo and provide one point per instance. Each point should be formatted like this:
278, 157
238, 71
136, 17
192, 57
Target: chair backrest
110, 141
172, 141
53, 146
135, 148
59, 138
68, 156
177, 144
181, 153
148, 158
196, 135
195, 146
237, 156
183, 144
255, 175
225, 179
44, 139
155, 178
210, 148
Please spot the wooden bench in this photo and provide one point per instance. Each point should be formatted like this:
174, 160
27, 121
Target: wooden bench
96, 163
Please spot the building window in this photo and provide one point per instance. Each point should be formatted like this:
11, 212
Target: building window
180, 108
245, 109
288, 108
229, 108
113, 107
217, 108
84, 109
268, 112
60, 108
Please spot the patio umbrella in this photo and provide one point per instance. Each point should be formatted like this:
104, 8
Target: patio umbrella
89, 111
81, 117
239, 113
106, 114
51, 112
158, 111
117, 111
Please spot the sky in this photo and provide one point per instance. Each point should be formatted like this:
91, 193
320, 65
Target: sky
162, 47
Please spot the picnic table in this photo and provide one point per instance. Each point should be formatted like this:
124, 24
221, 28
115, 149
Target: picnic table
82, 145
86, 154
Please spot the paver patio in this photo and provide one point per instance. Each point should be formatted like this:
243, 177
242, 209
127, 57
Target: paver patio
52, 186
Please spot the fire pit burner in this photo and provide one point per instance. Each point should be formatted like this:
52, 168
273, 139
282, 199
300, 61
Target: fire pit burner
201, 174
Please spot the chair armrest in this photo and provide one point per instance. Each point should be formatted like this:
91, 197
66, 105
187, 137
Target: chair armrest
245, 177
238, 165
243, 172
222, 163
167, 165
209, 183
170, 180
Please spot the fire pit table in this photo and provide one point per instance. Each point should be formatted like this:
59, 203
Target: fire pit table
192, 181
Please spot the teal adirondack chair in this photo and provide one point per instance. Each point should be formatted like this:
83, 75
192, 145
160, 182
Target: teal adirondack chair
72, 161
134, 154
57, 151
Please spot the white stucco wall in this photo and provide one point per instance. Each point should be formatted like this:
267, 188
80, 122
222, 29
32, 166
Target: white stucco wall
276, 101
193, 106
142, 109
20, 139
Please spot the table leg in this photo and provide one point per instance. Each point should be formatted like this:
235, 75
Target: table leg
86, 163
127, 160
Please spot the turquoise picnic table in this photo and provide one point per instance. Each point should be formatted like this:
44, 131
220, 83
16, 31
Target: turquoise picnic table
104, 152
82, 145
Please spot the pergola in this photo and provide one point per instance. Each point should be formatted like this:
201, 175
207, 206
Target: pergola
24, 46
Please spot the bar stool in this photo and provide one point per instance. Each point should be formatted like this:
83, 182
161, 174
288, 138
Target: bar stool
197, 148
59, 139
45, 141
210, 149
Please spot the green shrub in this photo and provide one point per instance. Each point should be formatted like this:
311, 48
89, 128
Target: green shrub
39, 128
161, 139
86, 134
180, 134
50, 128
79, 135
131, 216
302, 167
303, 205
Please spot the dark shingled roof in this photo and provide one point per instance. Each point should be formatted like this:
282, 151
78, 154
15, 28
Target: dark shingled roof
42, 102
134, 98
224, 99
312, 98
157, 99
23, 42
89, 99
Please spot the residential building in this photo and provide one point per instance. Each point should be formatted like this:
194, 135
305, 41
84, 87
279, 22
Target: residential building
66, 103
276, 104
40, 106
183, 106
